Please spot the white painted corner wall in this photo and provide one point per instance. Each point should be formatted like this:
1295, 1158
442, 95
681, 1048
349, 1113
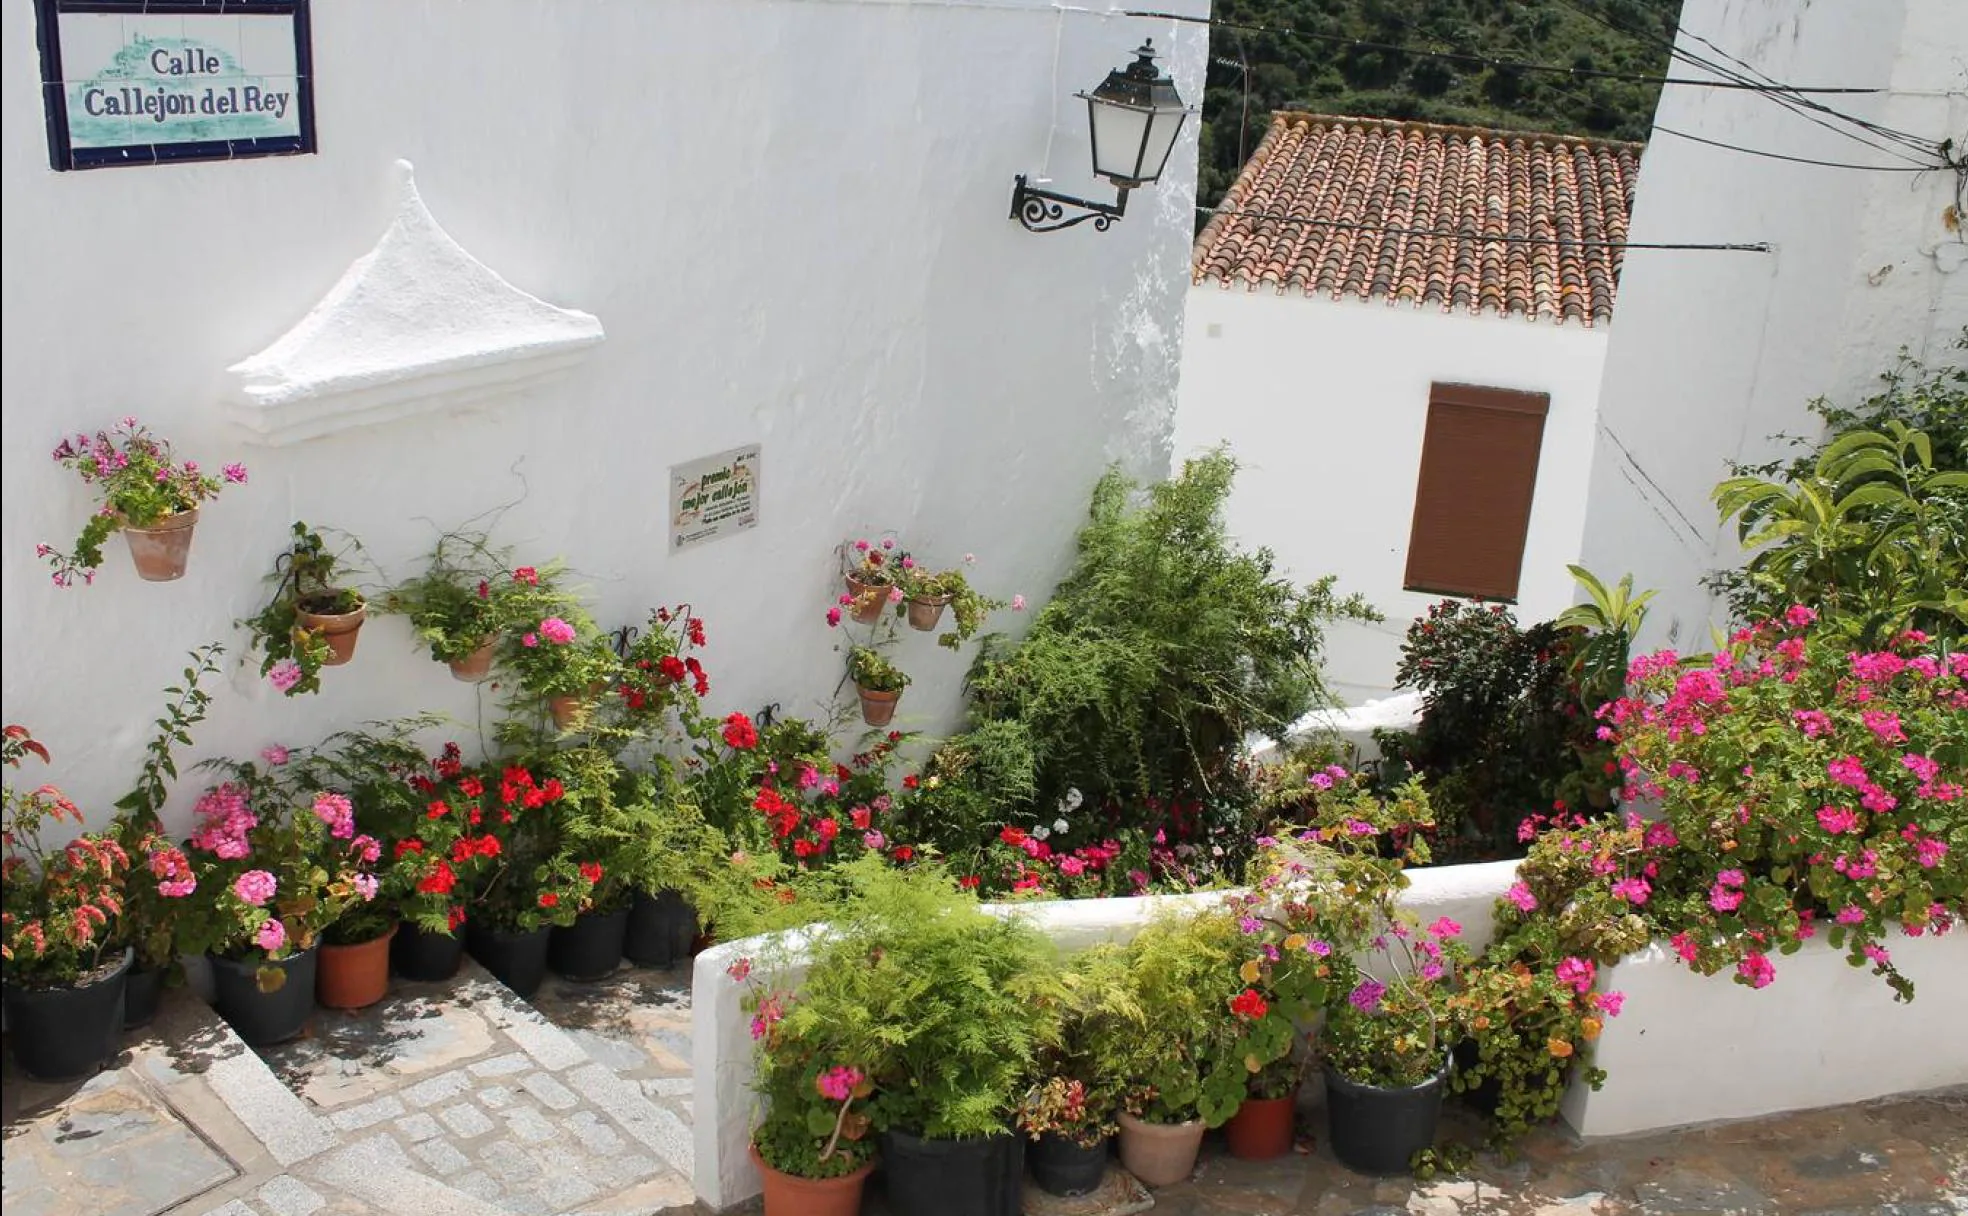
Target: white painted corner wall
790, 215
1325, 404
1715, 352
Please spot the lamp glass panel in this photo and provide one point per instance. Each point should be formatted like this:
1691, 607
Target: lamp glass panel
1117, 136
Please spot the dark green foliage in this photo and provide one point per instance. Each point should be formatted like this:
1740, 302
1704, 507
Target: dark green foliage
1869, 523
1300, 73
1505, 731
1160, 652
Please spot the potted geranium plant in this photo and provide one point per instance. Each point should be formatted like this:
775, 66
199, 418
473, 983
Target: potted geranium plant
657, 666
514, 904
870, 569
64, 974
879, 683
604, 810
440, 848
930, 592
1283, 971
556, 652
1068, 1113
145, 492
311, 622
275, 867
460, 605
814, 1143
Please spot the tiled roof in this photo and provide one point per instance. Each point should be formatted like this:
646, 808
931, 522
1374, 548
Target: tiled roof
1363, 176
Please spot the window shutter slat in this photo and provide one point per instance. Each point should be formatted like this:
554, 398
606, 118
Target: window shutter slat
1473, 500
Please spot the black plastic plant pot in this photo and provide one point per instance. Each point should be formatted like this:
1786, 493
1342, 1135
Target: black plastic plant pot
68, 1031
982, 1176
143, 992
260, 1017
1061, 1167
1378, 1131
417, 954
591, 947
660, 929
517, 960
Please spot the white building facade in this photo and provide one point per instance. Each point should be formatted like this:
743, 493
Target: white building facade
1320, 326
787, 217
1716, 352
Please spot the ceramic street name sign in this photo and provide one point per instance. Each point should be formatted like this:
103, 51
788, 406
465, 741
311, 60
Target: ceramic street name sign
713, 497
140, 82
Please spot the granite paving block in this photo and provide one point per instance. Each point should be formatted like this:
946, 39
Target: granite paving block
419, 1126
368, 1114
550, 1092
501, 1066
529, 1126
287, 1195
440, 1156
438, 1088
465, 1120
658, 1129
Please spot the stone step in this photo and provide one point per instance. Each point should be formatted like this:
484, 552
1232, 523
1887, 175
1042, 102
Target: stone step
450, 1099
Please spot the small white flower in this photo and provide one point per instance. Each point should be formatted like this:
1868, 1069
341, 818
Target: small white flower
1039, 833
1073, 799
1060, 825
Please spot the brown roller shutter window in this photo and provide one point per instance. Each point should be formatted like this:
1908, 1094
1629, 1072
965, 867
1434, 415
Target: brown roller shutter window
1473, 503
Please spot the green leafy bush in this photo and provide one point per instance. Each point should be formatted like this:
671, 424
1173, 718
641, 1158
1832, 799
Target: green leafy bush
1163, 649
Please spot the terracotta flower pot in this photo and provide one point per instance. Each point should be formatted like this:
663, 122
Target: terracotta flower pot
339, 629
1262, 1128
1160, 1154
476, 665
354, 977
161, 550
869, 600
568, 712
877, 707
926, 612
790, 1195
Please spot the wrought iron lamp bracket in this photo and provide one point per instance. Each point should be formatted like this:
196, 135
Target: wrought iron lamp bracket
1044, 211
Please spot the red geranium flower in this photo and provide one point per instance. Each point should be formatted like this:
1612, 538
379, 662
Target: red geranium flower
672, 668
903, 853
591, 870
471, 787
740, 733
1014, 837
527, 575
548, 899
439, 880
1249, 1004
438, 809
910, 782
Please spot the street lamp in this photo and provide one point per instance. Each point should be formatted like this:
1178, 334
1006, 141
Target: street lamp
1134, 117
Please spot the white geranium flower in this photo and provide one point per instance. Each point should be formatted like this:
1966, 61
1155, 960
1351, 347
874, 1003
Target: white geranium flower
1040, 833
1060, 825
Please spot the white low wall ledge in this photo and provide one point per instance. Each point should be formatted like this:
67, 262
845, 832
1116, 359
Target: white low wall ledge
1690, 1048
415, 325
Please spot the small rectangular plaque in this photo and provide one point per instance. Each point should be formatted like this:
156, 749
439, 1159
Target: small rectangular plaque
143, 82
714, 497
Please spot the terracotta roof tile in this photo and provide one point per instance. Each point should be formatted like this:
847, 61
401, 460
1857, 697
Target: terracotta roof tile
1382, 189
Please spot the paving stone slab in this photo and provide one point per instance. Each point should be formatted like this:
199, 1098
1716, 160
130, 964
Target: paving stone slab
107, 1147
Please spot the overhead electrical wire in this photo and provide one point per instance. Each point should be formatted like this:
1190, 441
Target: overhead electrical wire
1779, 93
1487, 60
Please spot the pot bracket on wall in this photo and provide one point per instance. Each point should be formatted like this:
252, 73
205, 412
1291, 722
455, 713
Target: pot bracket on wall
413, 326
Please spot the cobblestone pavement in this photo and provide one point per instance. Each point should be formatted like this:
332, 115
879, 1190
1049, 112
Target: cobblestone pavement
453, 1099
1900, 1157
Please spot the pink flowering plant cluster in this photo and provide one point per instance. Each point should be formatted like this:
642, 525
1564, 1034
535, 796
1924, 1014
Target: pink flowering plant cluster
138, 482
1806, 789
62, 907
553, 648
274, 866
815, 1122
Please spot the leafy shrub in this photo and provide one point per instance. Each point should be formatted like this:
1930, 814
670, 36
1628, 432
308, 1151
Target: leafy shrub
1163, 649
1870, 525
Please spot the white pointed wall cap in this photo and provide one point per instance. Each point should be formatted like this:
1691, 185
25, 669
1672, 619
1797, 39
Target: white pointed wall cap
415, 325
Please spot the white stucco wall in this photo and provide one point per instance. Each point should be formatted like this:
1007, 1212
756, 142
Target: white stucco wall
1689, 1048
1325, 403
789, 215
1716, 351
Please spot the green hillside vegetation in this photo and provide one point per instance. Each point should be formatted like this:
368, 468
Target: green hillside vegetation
1301, 73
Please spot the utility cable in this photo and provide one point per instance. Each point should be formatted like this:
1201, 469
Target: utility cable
1487, 60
